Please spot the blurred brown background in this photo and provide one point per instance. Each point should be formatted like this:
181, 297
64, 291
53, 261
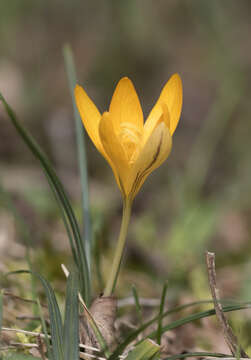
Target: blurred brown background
199, 199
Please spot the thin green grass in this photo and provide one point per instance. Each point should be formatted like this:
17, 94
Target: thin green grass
71, 321
133, 335
198, 354
44, 327
63, 202
161, 310
82, 159
64, 337
145, 351
197, 316
56, 324
137, 304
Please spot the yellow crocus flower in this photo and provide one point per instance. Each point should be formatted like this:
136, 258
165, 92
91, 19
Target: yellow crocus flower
132, 148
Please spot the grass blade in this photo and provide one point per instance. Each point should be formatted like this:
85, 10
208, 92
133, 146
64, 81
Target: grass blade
82, 159
44, 327
65, 220
161, 310
64, 201
132, 336
71, 322
197, 354
101, 340
137, 303
55, 316
198, 316
144, 351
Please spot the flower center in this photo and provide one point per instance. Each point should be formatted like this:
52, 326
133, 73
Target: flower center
130, 139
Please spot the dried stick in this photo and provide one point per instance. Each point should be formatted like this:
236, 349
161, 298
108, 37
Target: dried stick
229, 336
42, 336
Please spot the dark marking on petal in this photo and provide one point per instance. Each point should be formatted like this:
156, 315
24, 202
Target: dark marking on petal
156, 154
139, 175
134, 186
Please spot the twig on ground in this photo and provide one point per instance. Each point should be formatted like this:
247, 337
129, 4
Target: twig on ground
7, 347
24, 332
28, 345
229, 336
32, 333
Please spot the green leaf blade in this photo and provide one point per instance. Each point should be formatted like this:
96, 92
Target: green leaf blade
55, 316
161, 310
81, 150
200, 354
133, 335
63, 201
144, 351
71, 322
137, 303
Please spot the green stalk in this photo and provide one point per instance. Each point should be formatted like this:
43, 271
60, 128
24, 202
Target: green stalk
127, 206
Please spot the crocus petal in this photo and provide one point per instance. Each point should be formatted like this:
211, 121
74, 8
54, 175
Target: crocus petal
90, 116
125, 106
171, 95
161, 113
114, 150
154, 153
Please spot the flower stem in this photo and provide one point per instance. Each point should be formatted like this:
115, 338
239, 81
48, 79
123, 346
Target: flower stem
110, 286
